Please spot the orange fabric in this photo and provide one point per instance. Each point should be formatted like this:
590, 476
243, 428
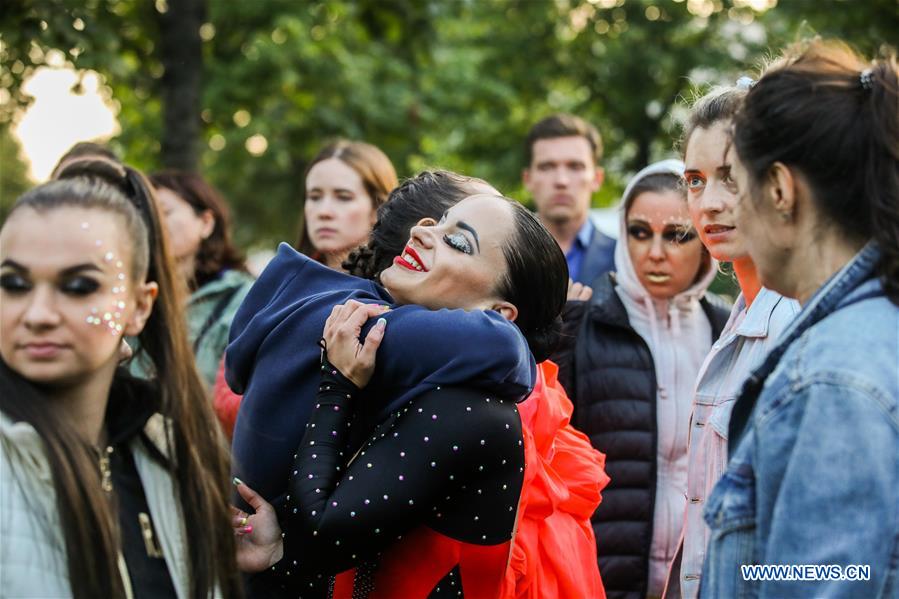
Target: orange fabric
554, 550
225, 401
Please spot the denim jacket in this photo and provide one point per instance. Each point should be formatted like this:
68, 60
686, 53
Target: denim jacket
745, 342
814, 478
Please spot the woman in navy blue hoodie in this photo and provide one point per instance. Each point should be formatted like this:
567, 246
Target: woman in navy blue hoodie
489, 261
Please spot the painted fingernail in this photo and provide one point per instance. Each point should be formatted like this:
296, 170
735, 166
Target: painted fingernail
237, 481
382, 322
247, 529
385, 308
244, 520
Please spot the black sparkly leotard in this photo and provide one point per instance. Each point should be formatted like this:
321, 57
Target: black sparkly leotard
433, 491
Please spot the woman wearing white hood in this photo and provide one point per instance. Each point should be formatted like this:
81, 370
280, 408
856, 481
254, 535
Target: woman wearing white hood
630, 373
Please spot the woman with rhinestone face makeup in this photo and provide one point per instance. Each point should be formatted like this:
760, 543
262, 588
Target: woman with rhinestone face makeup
108, 483
643, 337
461, 440
755, 324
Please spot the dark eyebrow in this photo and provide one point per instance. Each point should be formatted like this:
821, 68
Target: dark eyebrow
694, 171
65, 272
13, 264
470, 229
724, 169
79, 267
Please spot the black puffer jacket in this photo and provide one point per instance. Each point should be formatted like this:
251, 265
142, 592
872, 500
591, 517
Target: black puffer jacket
608, 371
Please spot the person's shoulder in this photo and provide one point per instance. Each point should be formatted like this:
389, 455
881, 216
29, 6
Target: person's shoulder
718, 310
474, 326
860, 337
605, 306
469, 411
234, 278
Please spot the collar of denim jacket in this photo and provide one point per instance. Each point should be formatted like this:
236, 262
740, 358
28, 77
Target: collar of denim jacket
758, 315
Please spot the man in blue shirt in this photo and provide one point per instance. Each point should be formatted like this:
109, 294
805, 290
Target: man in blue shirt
562, 154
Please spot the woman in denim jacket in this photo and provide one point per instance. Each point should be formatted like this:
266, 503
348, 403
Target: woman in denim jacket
814, 437
756, 322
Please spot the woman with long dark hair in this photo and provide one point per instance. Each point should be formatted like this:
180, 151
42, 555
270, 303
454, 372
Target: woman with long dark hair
813, 476
214, 270
111, 486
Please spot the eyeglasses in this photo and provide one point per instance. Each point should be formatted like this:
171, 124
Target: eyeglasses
672, 234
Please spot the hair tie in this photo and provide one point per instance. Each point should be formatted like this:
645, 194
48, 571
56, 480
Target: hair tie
866, 79
745, 83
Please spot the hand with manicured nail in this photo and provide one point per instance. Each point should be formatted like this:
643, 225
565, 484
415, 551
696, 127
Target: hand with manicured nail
354, 360
259, 544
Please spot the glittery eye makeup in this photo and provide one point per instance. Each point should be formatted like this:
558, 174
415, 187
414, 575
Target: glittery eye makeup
458, 241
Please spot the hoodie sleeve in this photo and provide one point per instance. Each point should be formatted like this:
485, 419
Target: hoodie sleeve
273, 358
423, 349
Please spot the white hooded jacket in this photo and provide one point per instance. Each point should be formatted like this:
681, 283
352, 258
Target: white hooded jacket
679, 335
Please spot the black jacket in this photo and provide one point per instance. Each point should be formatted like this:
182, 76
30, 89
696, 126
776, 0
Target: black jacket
608, 371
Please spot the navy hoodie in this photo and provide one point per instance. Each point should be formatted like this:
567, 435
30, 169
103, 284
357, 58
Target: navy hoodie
273, 359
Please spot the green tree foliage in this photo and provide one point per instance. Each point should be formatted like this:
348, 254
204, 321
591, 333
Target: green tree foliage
434, 83
14, 180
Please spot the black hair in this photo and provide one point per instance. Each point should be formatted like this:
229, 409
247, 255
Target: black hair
825, 111
536, 282
427, 195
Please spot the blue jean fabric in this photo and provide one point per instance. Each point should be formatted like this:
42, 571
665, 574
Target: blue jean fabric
814, 478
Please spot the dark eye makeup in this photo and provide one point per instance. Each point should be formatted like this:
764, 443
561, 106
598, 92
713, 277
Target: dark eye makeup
671, 234
78, 285
459, 242
14, 283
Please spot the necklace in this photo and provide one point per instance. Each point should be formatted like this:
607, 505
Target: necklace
103, 459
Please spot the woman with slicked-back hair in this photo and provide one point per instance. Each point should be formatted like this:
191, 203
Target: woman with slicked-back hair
110, 486
813, 476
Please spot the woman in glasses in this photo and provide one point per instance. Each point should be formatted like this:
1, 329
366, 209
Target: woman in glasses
630, 374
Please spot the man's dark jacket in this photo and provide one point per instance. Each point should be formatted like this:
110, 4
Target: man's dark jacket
599, 258
609, 374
